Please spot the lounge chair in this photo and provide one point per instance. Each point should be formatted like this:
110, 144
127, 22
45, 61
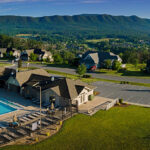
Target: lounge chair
39, 113
13, 135
21, 131
45, 123
50, 120
22, 120
36, 115
26, 118
7, 137
2, 142
31, 116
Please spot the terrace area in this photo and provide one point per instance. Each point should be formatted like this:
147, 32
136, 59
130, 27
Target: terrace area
98, 103
31, 123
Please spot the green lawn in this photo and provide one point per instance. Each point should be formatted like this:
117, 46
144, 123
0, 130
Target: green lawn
4, 64
90, 80
120, 128
131, 71
94, 41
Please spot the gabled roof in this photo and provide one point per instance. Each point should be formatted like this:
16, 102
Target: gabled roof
3, 50
99, 57
24, 76
29, 51
5, 73
35, 78
94, 57
66, 88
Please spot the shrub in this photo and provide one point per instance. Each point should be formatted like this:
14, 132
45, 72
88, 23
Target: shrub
91, 97
122, 70
19, 63
118, 103
96, 93
108, 64
81, 70
116, 65
121, 101
87, 76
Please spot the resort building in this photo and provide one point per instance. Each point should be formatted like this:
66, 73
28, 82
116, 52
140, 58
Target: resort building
16, 80
65, 91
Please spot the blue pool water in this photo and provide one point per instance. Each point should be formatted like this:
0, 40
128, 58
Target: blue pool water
5, 108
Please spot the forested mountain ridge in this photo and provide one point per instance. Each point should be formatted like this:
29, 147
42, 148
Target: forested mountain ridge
83, 24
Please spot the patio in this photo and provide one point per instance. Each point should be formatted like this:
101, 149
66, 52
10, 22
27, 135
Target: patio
98, 103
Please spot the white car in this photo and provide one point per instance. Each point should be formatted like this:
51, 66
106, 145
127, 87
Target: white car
17, 59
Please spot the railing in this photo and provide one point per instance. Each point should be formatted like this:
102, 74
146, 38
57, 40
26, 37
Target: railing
112, 104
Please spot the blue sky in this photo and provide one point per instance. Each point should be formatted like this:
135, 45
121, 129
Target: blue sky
71, 7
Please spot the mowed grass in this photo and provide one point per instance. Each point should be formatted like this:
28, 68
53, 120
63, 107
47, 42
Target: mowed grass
120, 128
4, 64
91, 80
131, 71
100, 40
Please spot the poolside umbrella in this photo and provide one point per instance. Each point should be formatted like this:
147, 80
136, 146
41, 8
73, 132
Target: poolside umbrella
52, 106
15, 118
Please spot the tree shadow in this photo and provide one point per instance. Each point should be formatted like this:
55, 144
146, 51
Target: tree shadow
137, 90
134, 73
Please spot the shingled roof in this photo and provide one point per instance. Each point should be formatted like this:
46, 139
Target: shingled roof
24, 76
69, 88
63, 87
5, 73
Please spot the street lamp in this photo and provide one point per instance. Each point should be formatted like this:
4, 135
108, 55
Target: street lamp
38, 86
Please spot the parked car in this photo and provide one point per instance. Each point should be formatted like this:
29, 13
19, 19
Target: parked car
93, 68
16, 60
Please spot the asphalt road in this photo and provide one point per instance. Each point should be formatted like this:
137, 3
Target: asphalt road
96, 75
130, 93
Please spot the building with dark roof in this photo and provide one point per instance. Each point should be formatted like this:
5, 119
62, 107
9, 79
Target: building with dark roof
97, 59
16, 81
64, 90
5, 73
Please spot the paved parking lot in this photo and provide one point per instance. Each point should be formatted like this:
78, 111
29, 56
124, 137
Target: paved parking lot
130, 93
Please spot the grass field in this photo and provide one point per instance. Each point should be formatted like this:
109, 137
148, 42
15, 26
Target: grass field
4, 64
131, 71
100, 40
120, 128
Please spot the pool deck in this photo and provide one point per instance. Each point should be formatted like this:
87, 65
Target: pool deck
27, 105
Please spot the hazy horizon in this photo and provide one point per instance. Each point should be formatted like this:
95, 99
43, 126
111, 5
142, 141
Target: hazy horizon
39, 8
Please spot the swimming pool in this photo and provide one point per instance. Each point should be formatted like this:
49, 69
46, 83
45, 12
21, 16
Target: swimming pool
7, 106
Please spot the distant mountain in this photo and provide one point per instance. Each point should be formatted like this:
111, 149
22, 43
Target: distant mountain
93, 24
